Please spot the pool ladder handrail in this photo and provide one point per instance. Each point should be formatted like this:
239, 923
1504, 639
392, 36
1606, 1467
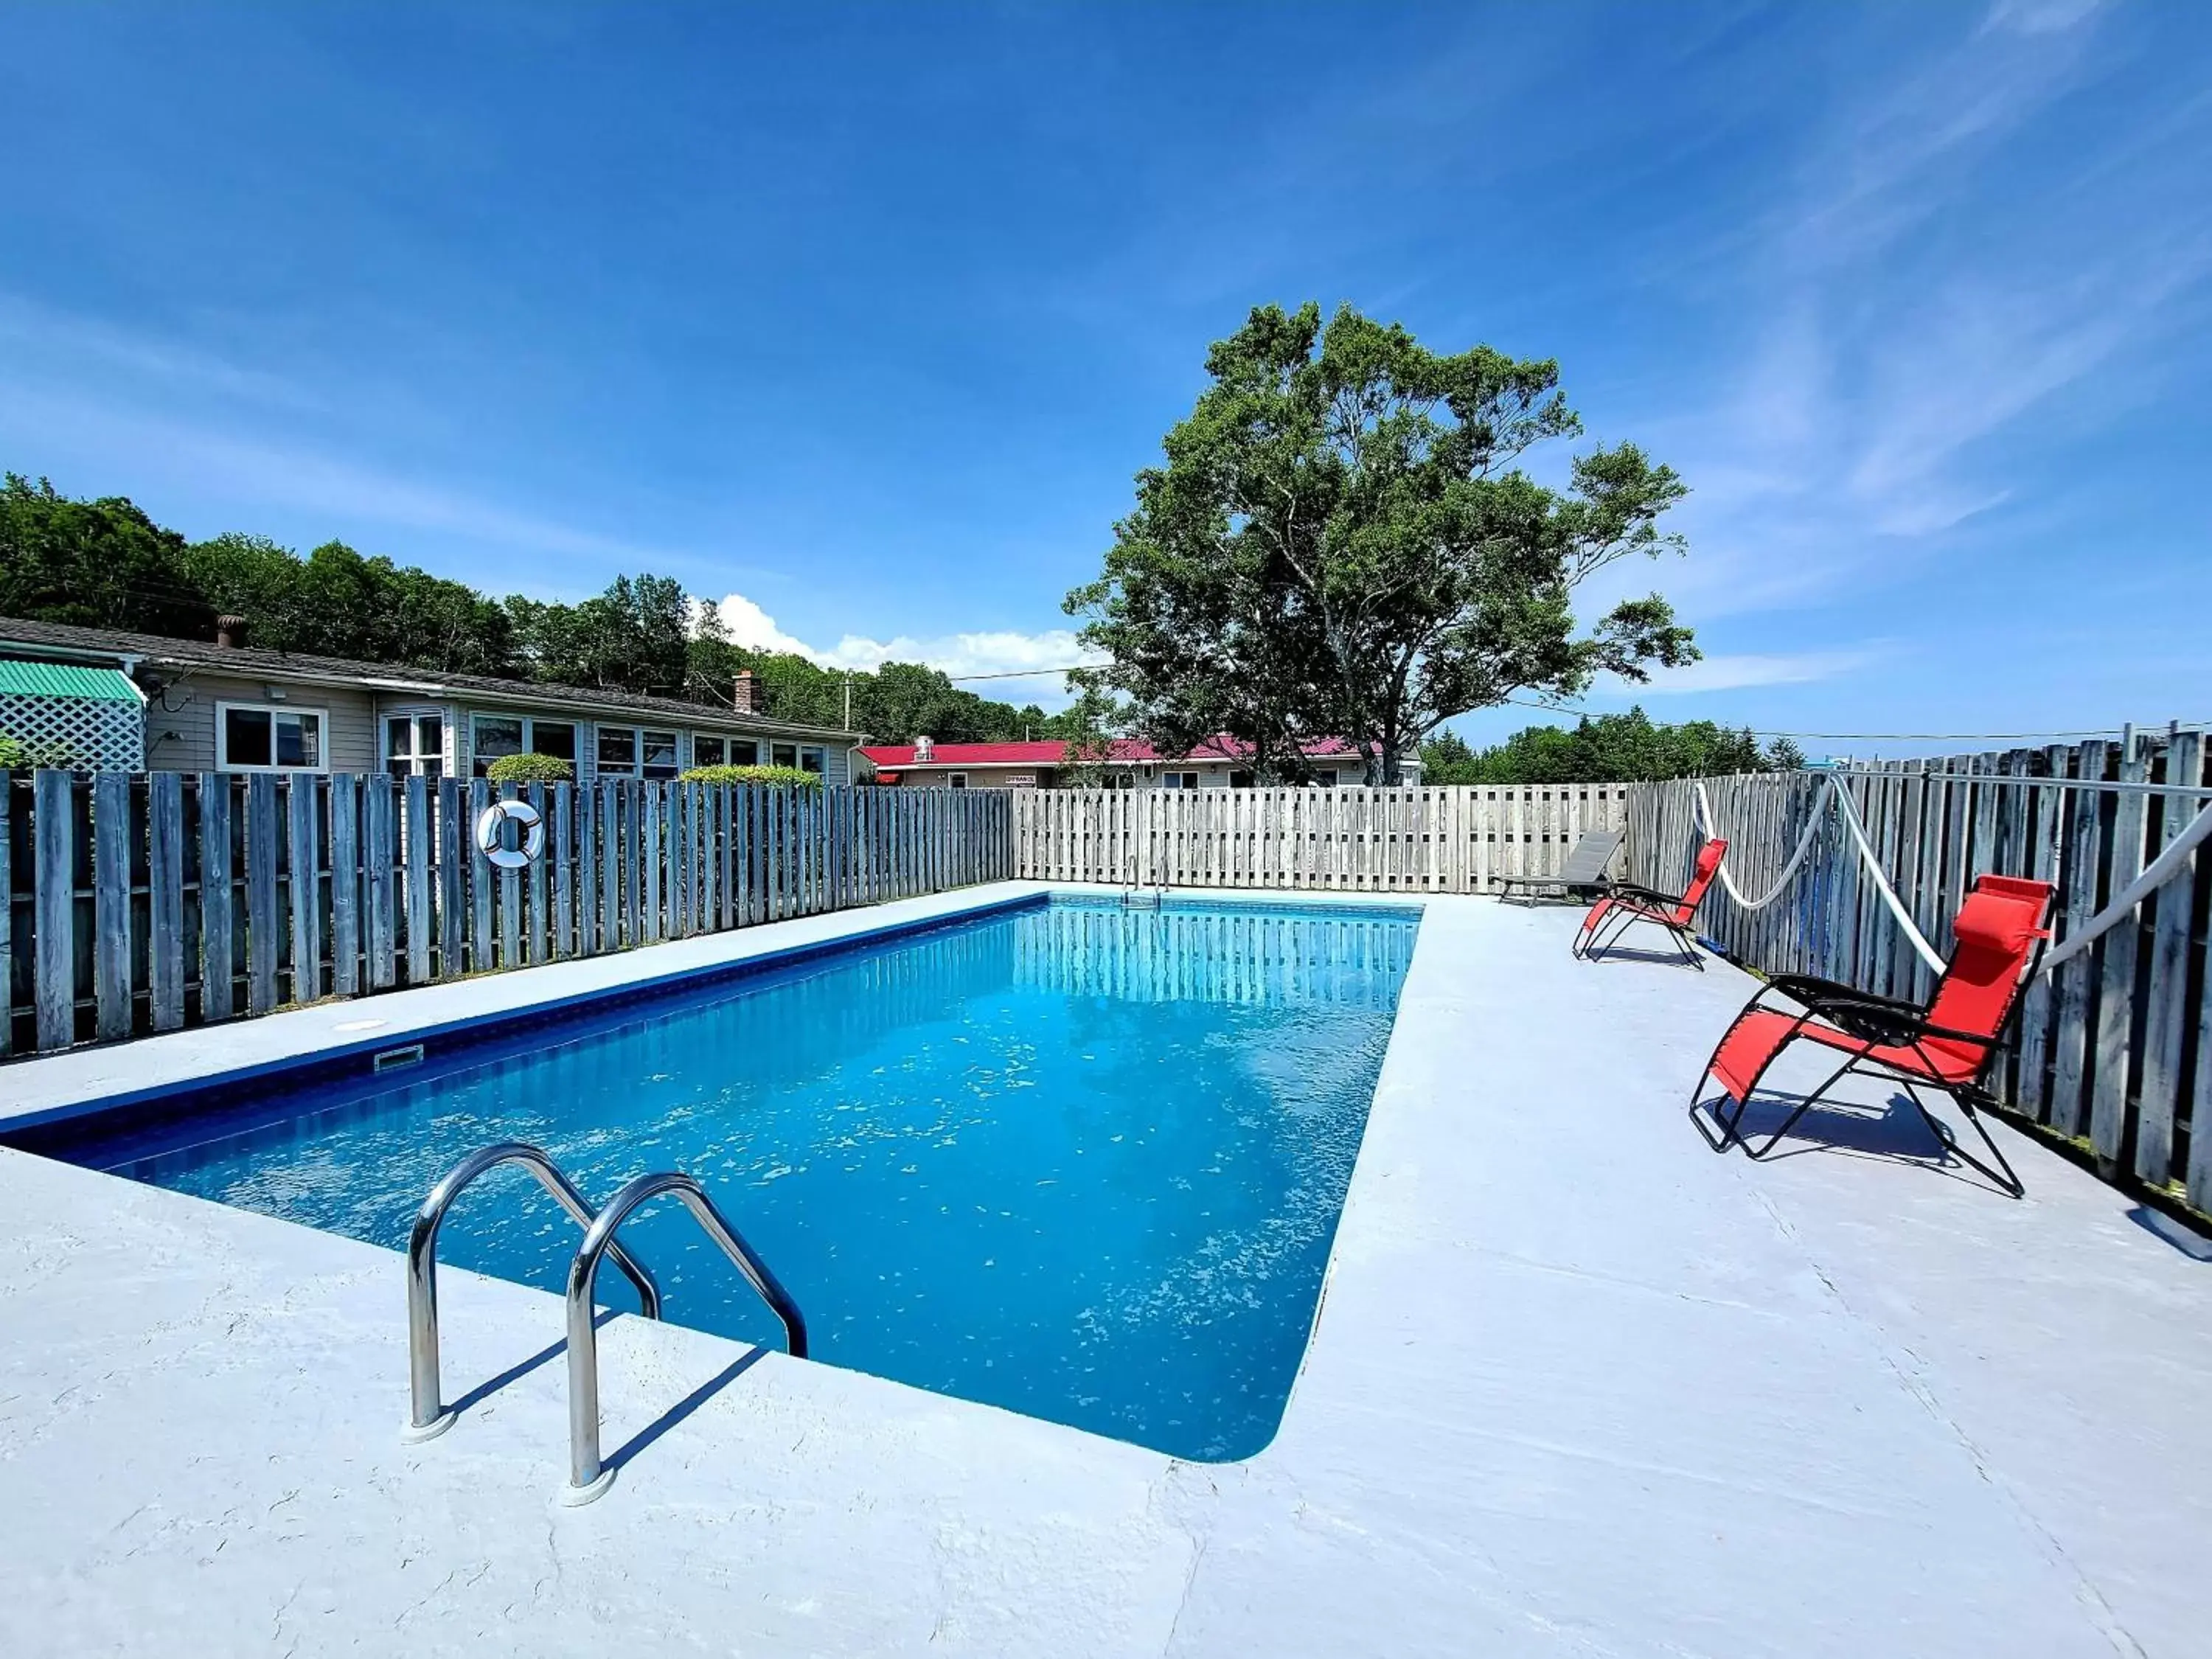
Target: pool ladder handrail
589, 1478
429, 1417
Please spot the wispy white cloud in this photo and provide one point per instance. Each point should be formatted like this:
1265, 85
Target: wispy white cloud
1026, 658
1728, 671
1909, 311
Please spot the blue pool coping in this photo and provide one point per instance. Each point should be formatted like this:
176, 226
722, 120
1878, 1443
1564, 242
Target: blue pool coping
331, 1061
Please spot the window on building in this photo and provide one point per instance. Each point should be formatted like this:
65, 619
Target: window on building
265, 737
1240, 780
1326, 779
415, 745
958, 780
708, 749
617, 751
811, 760
658, 752
554, 737
491, 736
1179, 780
786, 754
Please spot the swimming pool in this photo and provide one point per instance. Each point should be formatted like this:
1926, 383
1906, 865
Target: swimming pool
1079, 1161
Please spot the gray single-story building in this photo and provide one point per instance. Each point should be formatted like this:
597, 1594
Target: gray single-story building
196, 706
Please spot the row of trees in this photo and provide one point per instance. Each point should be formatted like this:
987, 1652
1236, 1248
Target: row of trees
104, 563
1630, 748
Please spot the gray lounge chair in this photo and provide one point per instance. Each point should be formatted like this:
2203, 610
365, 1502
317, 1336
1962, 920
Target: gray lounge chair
1583, 872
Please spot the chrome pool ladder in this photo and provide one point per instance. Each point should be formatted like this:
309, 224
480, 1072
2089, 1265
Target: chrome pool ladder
588, 1476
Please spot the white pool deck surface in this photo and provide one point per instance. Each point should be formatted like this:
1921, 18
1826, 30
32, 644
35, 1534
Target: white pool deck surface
1578, 1386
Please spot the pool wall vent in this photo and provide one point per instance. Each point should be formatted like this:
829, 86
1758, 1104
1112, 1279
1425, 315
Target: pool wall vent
392, 1059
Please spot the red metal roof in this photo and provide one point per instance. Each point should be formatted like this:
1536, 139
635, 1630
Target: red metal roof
1123, 751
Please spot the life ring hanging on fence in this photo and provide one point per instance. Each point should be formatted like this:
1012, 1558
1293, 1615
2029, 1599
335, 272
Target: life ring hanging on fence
526, 818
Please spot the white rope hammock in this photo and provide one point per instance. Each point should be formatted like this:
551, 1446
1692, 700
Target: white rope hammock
2155, 875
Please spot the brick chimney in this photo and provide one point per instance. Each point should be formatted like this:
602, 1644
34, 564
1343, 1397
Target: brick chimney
230, 632
745, 693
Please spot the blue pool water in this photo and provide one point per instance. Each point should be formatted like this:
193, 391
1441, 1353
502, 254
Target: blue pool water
1079, 1161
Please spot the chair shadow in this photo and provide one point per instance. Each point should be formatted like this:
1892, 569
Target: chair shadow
2168, 1230
682, 1408
1638, 953
1893, 1131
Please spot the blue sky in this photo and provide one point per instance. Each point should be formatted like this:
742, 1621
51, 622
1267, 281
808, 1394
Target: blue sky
866, 315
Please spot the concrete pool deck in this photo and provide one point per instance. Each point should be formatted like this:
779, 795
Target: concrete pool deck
1579, 1387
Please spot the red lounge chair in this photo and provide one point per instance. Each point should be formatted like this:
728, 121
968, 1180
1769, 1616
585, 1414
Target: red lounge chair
1626, 904
1947, 1045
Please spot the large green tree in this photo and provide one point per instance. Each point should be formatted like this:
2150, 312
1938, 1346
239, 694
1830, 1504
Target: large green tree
95, 564
1342, 543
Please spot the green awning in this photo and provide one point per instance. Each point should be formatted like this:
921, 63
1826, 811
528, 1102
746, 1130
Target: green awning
53, 679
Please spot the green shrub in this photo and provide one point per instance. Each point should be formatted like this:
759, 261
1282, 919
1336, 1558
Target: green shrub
530, 768
790, 775
16, 755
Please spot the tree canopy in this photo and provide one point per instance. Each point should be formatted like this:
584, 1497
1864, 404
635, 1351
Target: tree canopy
106, 564
1630, 748
1341, 543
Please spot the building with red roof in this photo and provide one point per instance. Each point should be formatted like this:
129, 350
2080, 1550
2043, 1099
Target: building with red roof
1220, 762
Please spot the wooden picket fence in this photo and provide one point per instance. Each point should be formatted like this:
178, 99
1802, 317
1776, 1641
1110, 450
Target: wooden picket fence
150, 901
2111, 1048
1456, 839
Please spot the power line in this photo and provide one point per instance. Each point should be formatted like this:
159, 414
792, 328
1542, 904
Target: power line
1022, 673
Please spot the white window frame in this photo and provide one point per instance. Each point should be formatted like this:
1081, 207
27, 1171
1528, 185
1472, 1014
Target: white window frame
413, 713
224, 763
677, 735
956, 780
529, 723
729, 740
821, 767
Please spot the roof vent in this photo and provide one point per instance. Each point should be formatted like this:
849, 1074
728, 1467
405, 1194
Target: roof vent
924, 751
230, 632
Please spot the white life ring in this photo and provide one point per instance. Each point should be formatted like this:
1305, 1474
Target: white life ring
526, 818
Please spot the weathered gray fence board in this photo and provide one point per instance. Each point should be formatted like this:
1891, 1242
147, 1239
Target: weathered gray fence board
262, 901
2116, 995
452, 835
217, 943
53, 873
303, 860
111, 903
2165, 996
165, 967
420, 924
345, 885
376, 850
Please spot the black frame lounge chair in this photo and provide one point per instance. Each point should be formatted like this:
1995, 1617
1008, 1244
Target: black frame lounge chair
1626, 903
1583, 872
1948, 1044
